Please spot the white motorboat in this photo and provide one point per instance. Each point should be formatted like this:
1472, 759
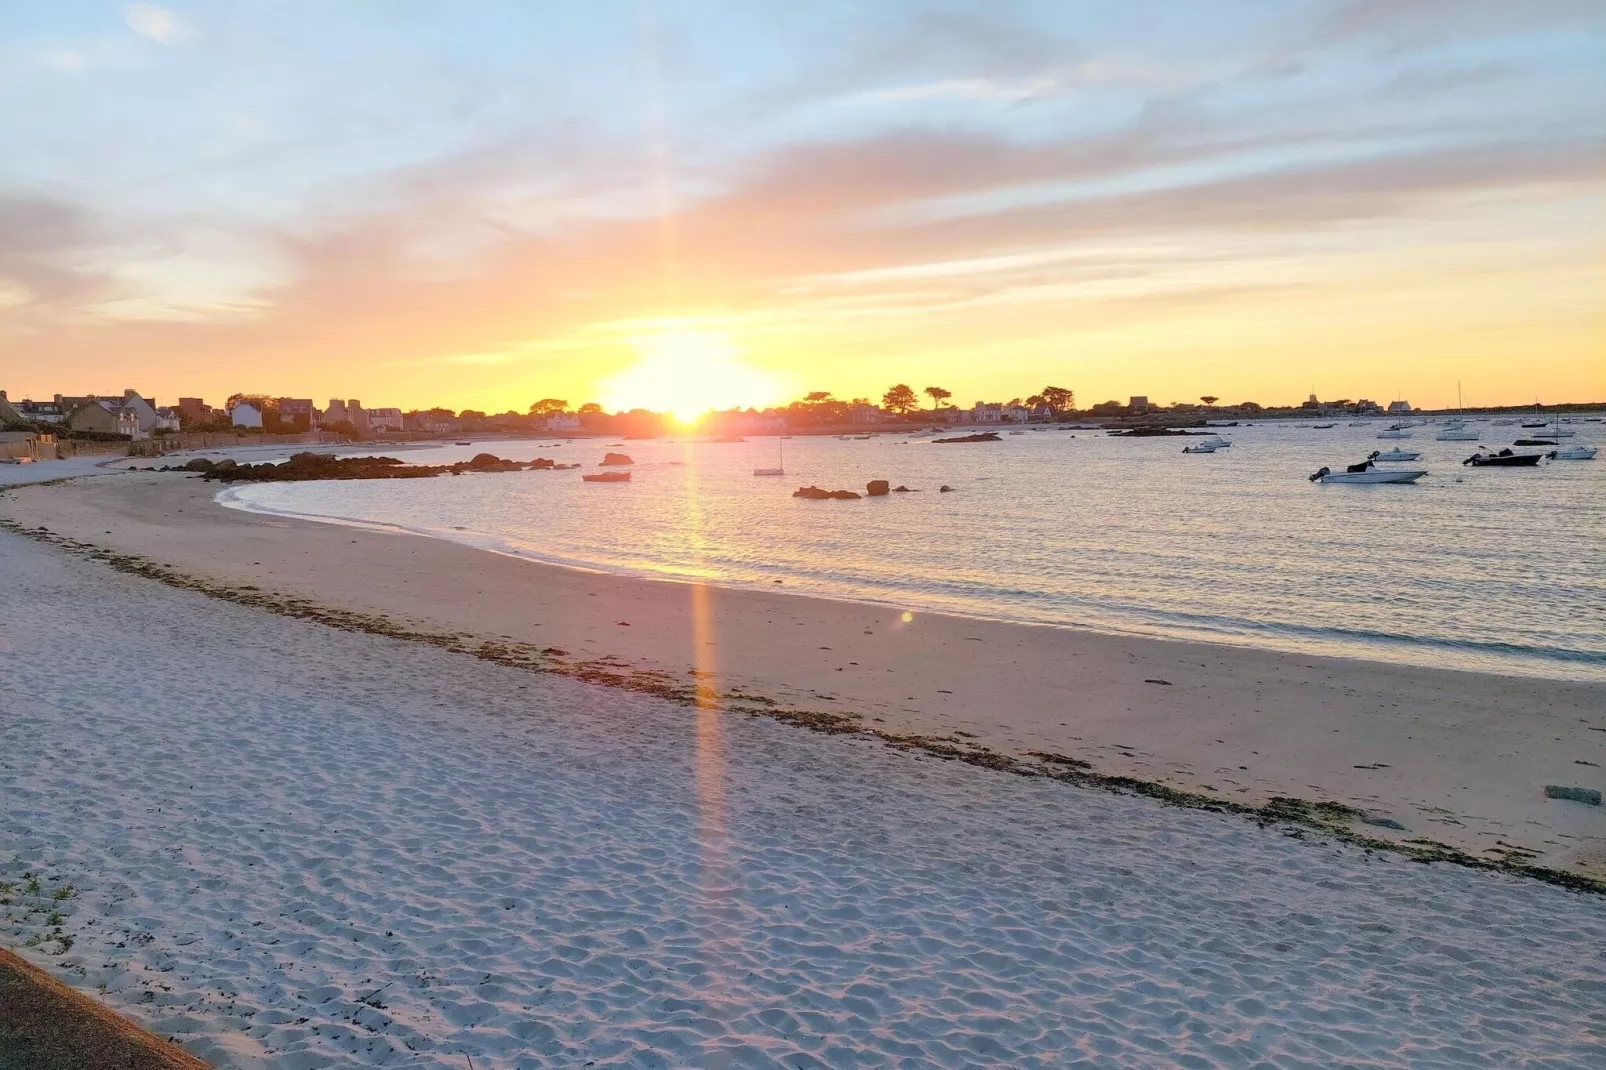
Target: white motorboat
1217, 441
1457, 434
1394, 454
1203, 447
1578, 452
1394, 432
1366, 472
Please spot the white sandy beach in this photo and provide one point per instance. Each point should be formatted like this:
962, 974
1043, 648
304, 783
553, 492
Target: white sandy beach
291, 846
1455, 757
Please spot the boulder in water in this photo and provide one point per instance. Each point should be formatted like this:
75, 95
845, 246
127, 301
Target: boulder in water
616, 459
877, 487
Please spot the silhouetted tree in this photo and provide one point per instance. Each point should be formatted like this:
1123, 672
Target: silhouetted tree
937, 395
900, 399
1058, 399
548, 406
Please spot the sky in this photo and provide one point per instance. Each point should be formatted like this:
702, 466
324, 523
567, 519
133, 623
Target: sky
479, 204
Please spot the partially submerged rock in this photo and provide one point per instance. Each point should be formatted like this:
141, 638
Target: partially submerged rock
303, 467
877, 487
616, 459
819, 494
985, 436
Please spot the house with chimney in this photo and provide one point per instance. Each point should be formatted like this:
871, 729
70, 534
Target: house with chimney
130, 414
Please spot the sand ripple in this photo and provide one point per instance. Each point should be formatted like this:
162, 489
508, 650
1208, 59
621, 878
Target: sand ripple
292, 847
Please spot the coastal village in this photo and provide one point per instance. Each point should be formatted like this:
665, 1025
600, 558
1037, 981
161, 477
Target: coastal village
129, 421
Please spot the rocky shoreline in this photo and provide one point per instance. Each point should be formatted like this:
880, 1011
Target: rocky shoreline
303, 467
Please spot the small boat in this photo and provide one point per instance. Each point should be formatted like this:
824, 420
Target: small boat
1217, 441
861, 438
1360, 423
729, 438
1578, 452
1541, 423
1366, 472
1503, 459
777, 471
1504, 423
1017, 432
469, 443
1396, 431
1321, 427
1394, 455
1203, 447
607, 477
1457, 434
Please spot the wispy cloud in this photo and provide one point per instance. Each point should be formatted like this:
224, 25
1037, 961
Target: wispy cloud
160, 24
1059, 81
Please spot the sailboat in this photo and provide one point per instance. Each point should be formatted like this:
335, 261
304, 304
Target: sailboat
1456, 430
777, 471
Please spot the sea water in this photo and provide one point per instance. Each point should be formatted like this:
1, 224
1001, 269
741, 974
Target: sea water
1500, 570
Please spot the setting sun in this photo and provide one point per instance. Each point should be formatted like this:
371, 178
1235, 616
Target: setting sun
687, 372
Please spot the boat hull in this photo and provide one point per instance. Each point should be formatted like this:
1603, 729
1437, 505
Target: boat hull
1375, 475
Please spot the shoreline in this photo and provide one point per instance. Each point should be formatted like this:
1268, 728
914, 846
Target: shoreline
1255, 731
1533, 656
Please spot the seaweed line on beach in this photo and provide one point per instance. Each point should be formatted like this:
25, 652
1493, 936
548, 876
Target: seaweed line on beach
1295, 815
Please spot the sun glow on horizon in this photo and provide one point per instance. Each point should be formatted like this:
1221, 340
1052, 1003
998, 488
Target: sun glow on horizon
688, 372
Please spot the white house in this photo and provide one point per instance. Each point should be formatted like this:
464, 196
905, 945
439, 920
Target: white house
386, 419
245, 414
1399, 408
986, 412
562, 421
1014, 414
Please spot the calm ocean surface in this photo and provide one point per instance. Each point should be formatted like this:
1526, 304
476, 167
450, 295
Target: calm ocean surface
1501, 570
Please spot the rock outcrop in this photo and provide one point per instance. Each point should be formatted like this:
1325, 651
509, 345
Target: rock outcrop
819, 494
984, 436
313, 466
877, 487
614, 459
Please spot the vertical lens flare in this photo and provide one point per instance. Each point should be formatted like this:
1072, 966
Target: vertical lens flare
709, 740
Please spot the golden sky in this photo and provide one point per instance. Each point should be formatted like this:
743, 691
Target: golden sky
689, 205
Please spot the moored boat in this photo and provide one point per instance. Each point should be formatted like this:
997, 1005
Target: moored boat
1203, 447
1397, 431
607, 477
1504, 459
1394, 454
1367, 472
1579, 452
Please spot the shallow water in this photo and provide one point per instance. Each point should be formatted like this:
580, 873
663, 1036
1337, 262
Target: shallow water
1500, 570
